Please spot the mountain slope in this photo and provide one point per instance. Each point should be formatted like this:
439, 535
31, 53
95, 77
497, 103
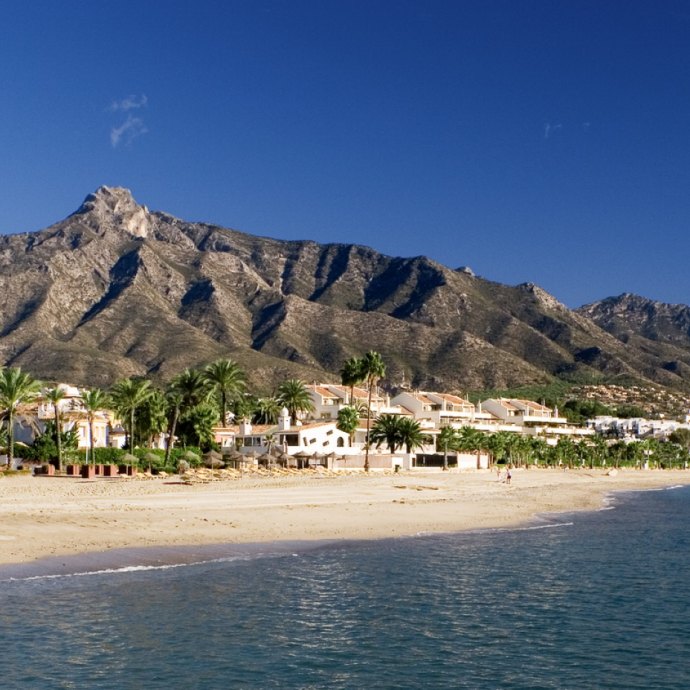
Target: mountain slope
116, 290
659, 329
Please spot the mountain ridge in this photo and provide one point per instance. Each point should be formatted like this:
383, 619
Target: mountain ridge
116, 290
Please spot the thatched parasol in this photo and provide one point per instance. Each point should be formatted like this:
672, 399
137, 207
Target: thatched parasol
213, 459
266, 459
150, 458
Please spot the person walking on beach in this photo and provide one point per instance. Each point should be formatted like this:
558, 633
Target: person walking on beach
508, 476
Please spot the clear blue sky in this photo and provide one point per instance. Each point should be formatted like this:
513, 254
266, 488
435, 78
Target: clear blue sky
543, 141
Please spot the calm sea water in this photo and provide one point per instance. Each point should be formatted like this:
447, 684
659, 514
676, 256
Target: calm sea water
598, 600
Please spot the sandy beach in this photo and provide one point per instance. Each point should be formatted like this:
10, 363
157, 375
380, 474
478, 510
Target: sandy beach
42, 517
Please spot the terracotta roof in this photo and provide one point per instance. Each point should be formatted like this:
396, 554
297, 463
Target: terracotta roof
324, 392
506, 403
423, 399
532, 405
456, 400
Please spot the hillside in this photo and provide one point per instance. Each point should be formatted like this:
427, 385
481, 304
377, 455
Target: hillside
115, 290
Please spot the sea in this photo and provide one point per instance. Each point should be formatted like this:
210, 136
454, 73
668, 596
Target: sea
582, 600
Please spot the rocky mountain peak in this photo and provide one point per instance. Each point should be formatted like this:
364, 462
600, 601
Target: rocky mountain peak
115, 206
542, 296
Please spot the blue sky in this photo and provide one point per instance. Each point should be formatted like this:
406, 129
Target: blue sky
542, 141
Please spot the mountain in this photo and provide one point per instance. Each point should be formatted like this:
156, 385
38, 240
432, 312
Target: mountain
660, 329
117, 290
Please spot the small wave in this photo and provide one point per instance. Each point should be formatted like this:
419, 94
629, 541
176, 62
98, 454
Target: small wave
125, 569
675, 486
528, 528
113, 571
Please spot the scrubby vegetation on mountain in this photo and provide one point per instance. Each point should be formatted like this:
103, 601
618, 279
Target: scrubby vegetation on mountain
117, 291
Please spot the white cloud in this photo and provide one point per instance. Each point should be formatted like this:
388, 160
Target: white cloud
130, 102
128, 131
550, 129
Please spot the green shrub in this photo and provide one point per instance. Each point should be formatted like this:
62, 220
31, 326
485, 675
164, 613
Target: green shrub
108, 456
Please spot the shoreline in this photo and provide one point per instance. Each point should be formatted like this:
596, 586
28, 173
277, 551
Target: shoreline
42, 521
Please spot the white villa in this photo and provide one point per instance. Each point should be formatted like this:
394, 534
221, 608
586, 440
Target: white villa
74, 416
329, 398
533, 419
311, 437
636, 427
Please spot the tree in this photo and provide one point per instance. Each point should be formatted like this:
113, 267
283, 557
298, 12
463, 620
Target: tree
681, 437
469, 439
93, 401
497, 445
16, 389
446, 440
539, 449
127, 396
411, 435
196, 424
294, 395
152, 417
351, 374
227, 380
187, 390
387, 428
44, 447
565, 451
266, 411
55, 396
348, 421
373, 370
245, 406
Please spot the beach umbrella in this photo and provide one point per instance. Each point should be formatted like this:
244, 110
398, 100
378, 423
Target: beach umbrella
190, 456
129, 459
302, 458
213, 459
150, 458
236, 459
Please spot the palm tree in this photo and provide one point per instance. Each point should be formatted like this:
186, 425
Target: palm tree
496, 445
16, 388
175, 400
373, 369
93, 401
196, 423
227, 379
469, 439
411, 435
55, 396
127, 396
187, 390
294, 395
266, 411
473, 440
566, 451
348, 421
152, 417
387, 428
351, 374
446, 439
